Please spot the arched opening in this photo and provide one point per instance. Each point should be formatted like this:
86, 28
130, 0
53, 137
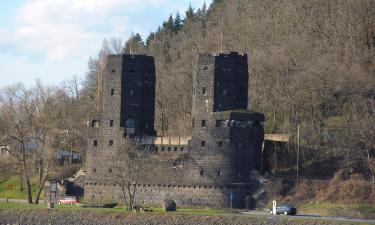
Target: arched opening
130, 126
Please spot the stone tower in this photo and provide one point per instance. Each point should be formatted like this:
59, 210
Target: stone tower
129, 93
226, 137
127, 107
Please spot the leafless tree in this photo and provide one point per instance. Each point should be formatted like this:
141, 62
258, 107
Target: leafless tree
128, 168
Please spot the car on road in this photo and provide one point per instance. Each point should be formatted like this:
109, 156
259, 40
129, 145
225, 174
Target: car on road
286, 209
68, 200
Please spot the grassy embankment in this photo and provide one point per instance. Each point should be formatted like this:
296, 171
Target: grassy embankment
9, 188
118, 209
330, 209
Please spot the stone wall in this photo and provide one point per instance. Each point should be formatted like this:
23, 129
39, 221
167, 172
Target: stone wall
183, 195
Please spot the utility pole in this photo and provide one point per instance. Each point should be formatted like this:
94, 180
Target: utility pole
298, 142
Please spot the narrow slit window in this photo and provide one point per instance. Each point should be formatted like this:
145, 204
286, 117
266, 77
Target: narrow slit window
110, 143
203, 143
203, 123
95, 143
111, 123
204, 91
112, 91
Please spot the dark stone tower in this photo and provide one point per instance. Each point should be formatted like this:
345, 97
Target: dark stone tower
226, 138
129, 93
127, 106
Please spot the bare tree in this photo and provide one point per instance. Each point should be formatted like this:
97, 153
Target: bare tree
31, 115
42, 119
127, 173
14, 101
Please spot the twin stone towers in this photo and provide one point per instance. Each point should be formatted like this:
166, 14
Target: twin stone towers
209, 169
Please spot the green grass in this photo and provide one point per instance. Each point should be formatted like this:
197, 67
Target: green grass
331, 209
118, 209
327, 205
9, 188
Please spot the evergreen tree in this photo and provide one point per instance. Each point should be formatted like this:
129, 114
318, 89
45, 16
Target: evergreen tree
190, 14
150, 37
169, 24
177, 22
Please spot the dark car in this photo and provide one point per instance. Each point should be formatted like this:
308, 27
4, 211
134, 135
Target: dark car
285, 209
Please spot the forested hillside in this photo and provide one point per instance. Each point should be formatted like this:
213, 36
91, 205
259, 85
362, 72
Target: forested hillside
311, 65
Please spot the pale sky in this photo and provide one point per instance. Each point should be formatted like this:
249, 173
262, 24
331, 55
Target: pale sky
52, 39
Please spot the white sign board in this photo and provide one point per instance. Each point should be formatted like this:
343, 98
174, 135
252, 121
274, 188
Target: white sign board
274, 207
53, 186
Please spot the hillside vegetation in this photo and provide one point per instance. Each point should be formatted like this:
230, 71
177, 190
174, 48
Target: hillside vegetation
311, 65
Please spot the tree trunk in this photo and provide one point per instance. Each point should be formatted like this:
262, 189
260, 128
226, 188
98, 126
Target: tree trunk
27, 180
28, 190
40, 189
20, 178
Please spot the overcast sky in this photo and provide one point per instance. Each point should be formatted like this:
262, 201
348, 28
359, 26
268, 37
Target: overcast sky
53, 39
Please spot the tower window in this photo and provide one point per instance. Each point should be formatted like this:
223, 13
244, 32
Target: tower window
131, 92
109, 170
201, 172
219, 173
94, 170
204, 90
113, 70
203, 143
111, 123
220, 123
110, 143
95, 123
203, 123
219, 144
95, 143
112, 91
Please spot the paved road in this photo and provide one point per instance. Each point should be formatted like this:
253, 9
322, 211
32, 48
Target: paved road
342, 219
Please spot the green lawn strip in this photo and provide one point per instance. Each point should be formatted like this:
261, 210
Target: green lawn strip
338, 210
9, 188
326, 205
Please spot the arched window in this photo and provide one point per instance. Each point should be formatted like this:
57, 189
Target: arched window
130, 126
